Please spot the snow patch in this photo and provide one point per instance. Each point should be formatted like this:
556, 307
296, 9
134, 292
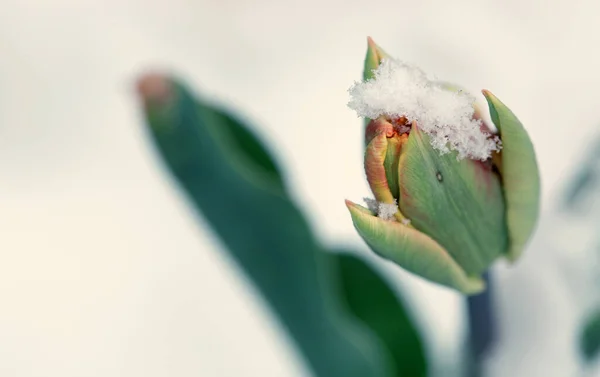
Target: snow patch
401, 90
385, 211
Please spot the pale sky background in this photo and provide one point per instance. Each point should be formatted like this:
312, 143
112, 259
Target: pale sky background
104, 270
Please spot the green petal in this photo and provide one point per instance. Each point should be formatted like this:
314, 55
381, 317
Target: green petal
375, 155
390, 164
381, 156
412, 250
457, 203
520, 176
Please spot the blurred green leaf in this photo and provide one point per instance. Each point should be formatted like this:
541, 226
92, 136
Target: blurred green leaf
374, 303
241, 140
235, 183
582, 187
589, 342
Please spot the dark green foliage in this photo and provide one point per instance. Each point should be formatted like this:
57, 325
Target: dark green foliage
589, 342
243, 142
373, 302
236, 185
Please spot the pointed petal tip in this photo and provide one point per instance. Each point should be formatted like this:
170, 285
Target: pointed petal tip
375, 55
357, 209
371, 43
349, 204
488, 95
377, 51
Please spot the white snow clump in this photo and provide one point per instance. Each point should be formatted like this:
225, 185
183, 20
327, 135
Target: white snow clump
401, 90
384, 211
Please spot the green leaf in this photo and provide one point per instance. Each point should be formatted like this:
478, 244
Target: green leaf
520, 176
374, 303
589, 342
265, 233
242, 140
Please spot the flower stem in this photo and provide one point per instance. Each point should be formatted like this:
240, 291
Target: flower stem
482, 327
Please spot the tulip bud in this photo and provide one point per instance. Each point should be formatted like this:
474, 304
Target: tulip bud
450, 195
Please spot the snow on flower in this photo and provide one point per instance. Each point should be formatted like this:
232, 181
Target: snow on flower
385, 211
401, 90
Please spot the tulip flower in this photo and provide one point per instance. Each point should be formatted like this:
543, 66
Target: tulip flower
450, 195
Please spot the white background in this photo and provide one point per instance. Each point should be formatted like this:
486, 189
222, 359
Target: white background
104, 270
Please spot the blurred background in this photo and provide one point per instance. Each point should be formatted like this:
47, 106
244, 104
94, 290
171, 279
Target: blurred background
103, 268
